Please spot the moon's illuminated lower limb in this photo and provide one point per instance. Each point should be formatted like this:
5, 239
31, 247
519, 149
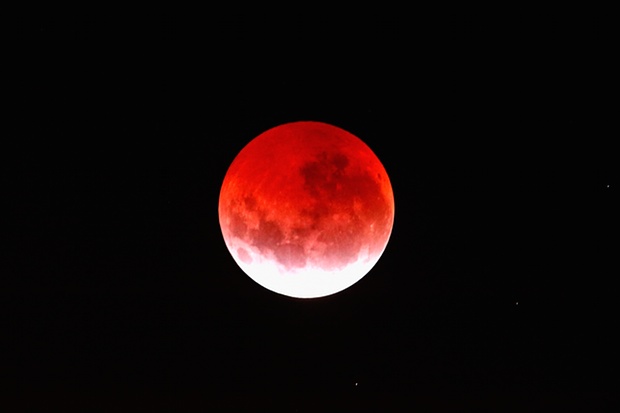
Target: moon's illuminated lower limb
306, 209
309, 281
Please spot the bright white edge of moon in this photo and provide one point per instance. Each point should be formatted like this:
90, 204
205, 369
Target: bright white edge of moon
305, 282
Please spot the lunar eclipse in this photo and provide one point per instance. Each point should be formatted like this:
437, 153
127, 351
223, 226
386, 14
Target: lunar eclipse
306, 209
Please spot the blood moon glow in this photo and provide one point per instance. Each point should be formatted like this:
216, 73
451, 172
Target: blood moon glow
306, 209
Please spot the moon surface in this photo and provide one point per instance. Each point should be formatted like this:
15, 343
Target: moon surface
306, 209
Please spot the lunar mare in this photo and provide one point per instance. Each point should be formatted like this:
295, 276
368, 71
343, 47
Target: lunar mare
306, 209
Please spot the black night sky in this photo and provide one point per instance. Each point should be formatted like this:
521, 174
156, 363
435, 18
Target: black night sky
496, 289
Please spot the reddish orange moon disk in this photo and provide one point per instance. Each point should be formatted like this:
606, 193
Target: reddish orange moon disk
306, 209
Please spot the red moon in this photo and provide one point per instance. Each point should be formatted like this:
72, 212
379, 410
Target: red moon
306, 209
